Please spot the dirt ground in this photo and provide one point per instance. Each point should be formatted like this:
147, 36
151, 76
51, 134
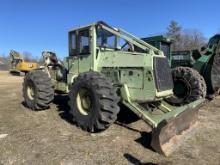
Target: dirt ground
48, 137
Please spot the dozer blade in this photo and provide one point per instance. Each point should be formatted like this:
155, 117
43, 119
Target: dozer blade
169, 134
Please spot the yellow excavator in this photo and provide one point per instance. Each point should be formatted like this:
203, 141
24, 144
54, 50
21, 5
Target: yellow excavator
19, 65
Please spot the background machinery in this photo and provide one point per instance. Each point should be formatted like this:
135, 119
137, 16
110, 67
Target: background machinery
105, 66
189, 85
18, 65
206, 61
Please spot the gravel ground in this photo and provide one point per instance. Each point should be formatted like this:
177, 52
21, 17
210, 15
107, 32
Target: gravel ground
48, 137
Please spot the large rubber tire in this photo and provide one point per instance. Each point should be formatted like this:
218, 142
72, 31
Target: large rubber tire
101, 107
189, 86
214, 87
38, 91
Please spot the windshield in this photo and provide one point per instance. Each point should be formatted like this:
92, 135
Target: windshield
106, 39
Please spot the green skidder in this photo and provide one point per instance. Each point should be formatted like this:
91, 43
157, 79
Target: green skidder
105, 66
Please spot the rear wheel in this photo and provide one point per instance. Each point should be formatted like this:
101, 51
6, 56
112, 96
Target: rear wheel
93, 102
37, 90
189, 86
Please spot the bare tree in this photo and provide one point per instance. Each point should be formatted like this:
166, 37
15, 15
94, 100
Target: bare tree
192, 39
29, 57
186, 39
4, 62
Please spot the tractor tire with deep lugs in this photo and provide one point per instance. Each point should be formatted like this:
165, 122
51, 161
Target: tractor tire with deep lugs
189, 86
38, 91
93, 102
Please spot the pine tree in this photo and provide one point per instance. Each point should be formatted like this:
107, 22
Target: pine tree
174, 32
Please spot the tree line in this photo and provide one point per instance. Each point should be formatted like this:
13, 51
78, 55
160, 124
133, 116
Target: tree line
185, 39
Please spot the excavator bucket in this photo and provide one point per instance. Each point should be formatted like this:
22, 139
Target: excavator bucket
169, 134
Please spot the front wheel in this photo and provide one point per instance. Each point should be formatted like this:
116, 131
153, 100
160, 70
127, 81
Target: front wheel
189, 86
93, 102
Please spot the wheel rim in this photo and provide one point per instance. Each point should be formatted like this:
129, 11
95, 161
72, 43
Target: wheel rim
84, 102
30, 92
181, 88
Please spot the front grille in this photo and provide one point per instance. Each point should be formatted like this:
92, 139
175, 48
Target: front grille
162, 74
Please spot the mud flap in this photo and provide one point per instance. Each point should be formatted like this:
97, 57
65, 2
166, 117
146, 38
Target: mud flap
168, 135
